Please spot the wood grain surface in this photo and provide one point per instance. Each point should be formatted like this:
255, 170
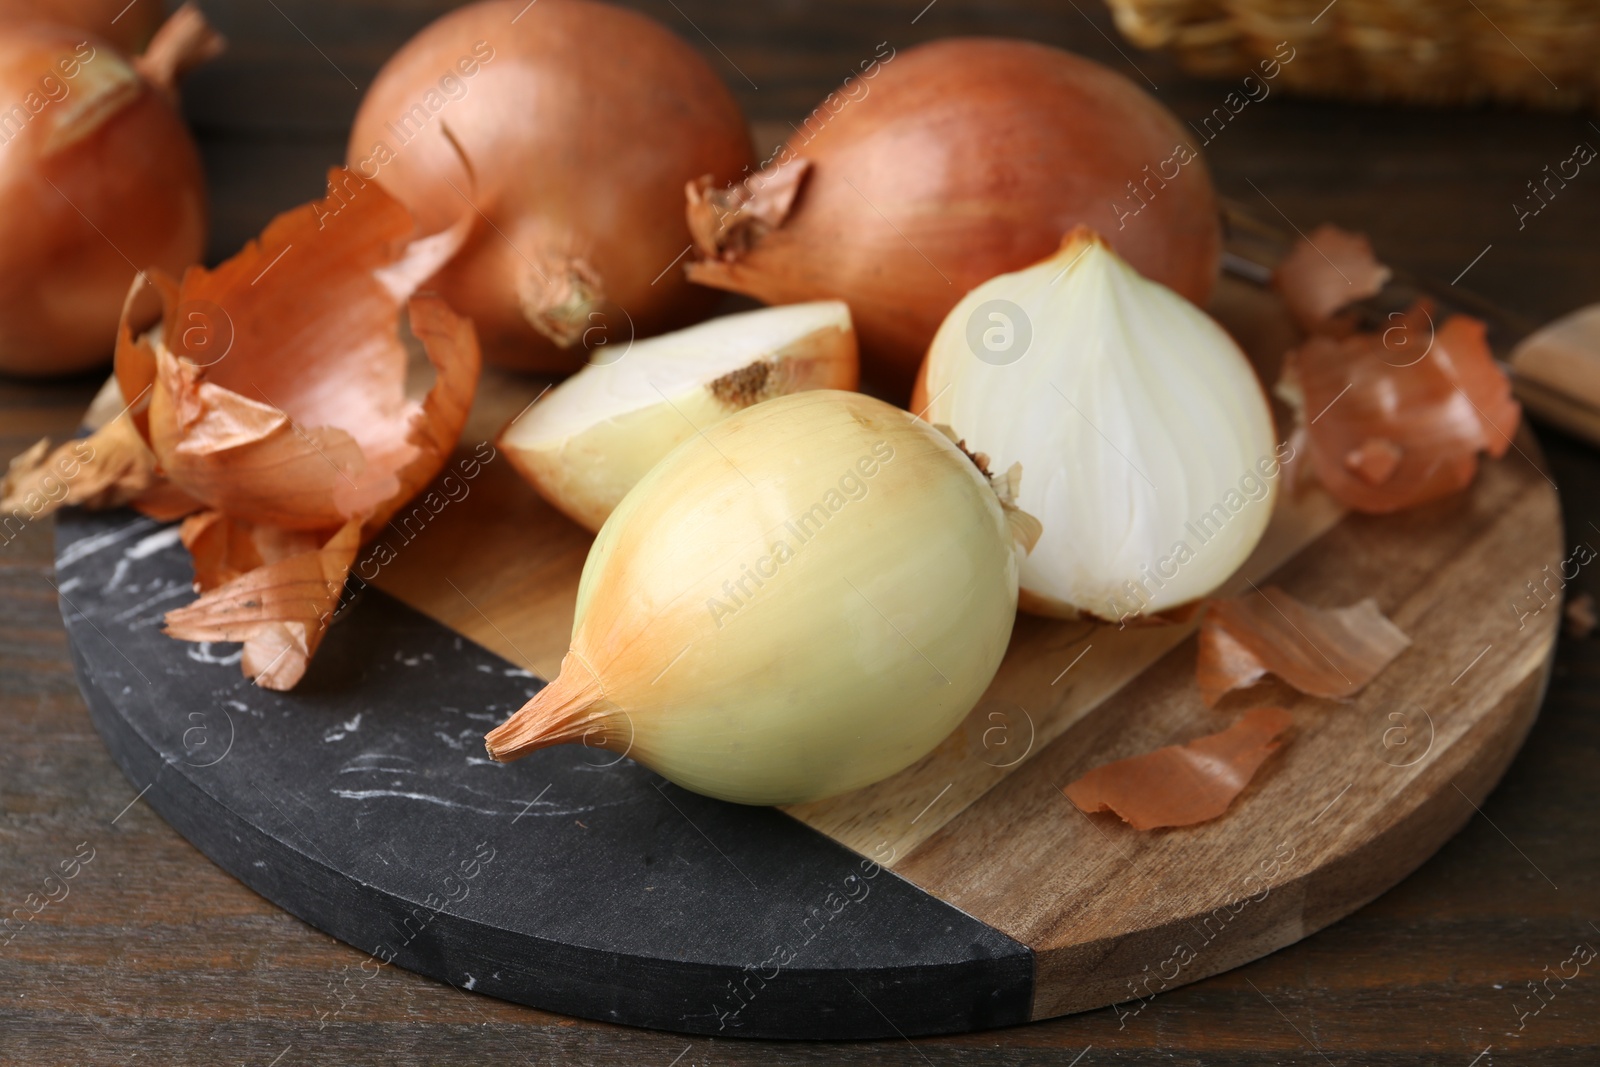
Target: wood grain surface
157, 956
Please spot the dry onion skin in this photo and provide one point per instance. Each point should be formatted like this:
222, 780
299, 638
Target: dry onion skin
959, 160
270, 405
580, 123
1324, 272
1181, 785
1146, 440
589, 440
1326, 652
802, 600
127, 26
1397, 419
300, 431
1389, 419
111, 468
99, 179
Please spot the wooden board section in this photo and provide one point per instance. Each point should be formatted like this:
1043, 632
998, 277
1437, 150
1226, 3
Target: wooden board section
980, 822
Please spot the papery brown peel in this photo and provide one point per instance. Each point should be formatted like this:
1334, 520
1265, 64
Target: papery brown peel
109, 468
1180, 785
1397, 419
222, 549
452, 347
285, 494
1326, 652
302, 421
219, 550
1325, 272
280, 610
1375, 461
291, 491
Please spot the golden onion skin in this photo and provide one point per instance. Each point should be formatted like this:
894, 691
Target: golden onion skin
103, 181
581, 122
963, 158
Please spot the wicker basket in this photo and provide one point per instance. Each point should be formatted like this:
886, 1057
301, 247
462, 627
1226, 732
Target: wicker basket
1544, 53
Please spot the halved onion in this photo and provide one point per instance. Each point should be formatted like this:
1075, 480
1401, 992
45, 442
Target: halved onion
591, 439
1145, 440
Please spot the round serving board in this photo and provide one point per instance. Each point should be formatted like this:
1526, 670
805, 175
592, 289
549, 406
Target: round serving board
965, 892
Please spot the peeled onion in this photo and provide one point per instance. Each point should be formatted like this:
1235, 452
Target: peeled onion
579, 124
957, 161
591, 439
786, 642
1145, 439
99, 180
126, 25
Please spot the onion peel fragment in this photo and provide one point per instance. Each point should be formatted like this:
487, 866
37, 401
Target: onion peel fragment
221, 549
1391, 419
279, 610
1181, 785
1325, 652
292, 490
109, 468
1326, 271
1397, 419
279, 498
279, 388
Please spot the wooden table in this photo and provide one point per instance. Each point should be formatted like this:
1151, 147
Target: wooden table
157, 956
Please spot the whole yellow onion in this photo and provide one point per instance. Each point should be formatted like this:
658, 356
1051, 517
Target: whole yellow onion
805, 598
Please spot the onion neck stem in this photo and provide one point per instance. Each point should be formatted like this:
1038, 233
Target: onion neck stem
183, 42
727, 223
564, 300
570, 709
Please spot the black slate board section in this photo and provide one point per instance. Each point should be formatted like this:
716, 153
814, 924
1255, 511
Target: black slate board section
363, 803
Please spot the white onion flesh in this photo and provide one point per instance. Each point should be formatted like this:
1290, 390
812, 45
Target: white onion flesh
590, 439
1146, 443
